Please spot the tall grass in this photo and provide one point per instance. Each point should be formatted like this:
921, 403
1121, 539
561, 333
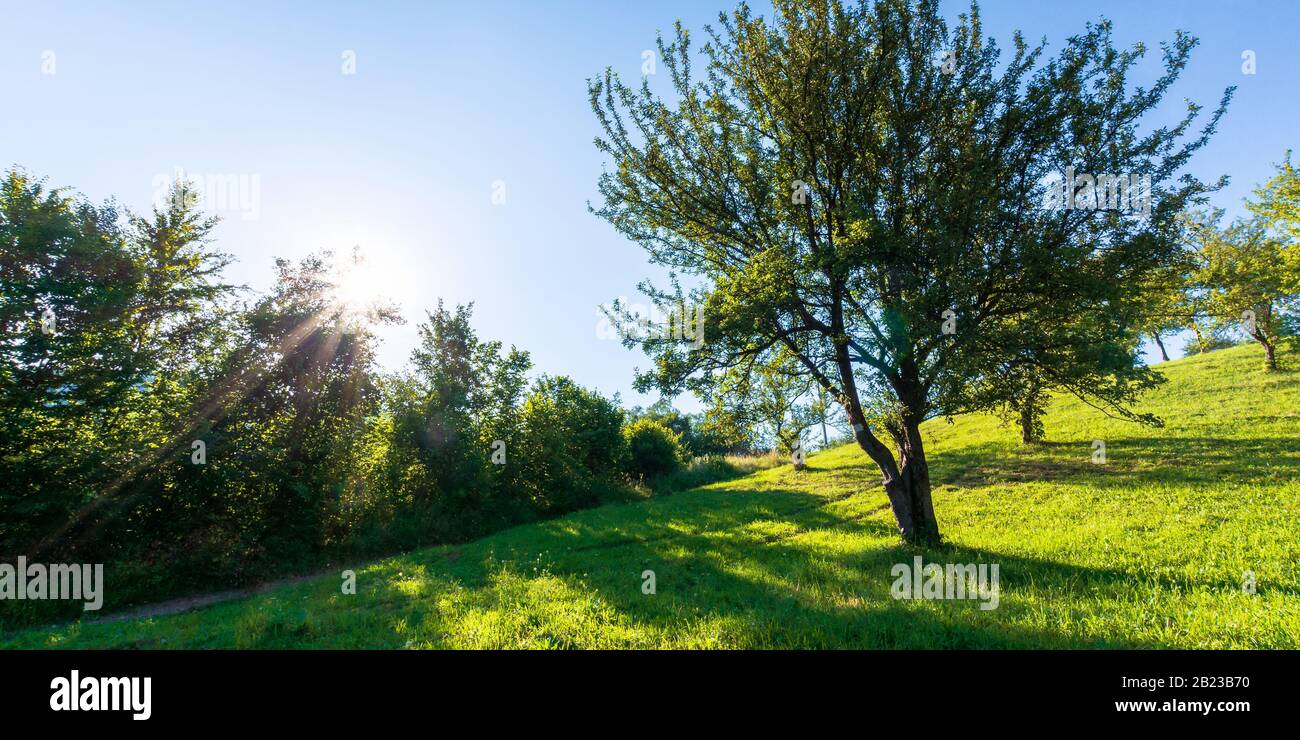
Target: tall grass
713, 469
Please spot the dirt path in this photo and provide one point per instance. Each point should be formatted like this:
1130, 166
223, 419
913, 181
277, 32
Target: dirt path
186, 603
198, 601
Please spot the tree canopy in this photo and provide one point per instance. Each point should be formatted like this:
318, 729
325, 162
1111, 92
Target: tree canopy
880, 196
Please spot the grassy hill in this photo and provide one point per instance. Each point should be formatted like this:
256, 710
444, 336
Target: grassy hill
1147, 550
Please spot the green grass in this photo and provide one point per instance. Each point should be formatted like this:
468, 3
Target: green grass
705, 470
1148, 550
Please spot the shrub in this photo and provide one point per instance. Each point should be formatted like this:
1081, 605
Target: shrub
654, 450
572, 449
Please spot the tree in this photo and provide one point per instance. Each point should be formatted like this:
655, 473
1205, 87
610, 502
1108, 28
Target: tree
823, 412
573, 444
776, 401
721, 431
850, 181
1246, 278
104, 318
457, 427
1278, 203
684, 426
307, 365
1169, 307
67, 286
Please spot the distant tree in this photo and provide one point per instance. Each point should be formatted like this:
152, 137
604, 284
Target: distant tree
684, 426
824, 412
1246, 279
1278, 203
848, 179
1169, 307
775, 401
1208, 336
724, 432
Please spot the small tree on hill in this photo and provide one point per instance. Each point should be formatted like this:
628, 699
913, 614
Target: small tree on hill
1246, 279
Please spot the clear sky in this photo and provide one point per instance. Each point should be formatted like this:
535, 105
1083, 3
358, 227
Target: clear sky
453, 103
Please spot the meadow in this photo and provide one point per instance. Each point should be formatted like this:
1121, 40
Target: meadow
1187, 536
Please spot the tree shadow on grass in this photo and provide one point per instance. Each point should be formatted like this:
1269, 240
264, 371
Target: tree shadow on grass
781, 569
1129, 461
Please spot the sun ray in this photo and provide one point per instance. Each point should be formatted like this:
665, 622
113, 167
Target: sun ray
211, 409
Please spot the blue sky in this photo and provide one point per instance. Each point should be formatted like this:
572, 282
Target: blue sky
449, 103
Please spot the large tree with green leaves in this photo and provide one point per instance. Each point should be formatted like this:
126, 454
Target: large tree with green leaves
1277, 202
865, 188
101, 311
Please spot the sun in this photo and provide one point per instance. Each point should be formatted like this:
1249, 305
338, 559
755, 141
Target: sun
362, 280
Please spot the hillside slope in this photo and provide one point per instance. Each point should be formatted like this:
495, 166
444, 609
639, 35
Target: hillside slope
1148, 550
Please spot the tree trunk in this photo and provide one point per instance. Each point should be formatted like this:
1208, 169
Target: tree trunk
907, 486
1261, 335
1161, 345
1031, 415
1027, 436
907, 480
914, 485
1270, 359
1200, 340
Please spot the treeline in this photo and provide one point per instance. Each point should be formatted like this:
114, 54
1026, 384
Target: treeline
190, 436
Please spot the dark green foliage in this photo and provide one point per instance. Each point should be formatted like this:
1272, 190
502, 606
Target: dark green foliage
311, 454
653, 449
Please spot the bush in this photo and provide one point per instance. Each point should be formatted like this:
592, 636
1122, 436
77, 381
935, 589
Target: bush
654, 450
571, 450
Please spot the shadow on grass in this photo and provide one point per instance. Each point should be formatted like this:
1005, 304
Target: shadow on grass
780, 569
752, 568
1177, 460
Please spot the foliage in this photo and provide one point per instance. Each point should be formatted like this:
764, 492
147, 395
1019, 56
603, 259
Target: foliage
190, 441
1277, 202
103, 324
1122, 555
573, 448
847, 177
653, 449
775, 401
1246, 279
1170, 305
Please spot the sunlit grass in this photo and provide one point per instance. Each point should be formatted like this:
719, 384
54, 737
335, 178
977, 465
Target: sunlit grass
1148, 550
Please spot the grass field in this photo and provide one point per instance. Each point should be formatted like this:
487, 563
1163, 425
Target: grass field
1148, 550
